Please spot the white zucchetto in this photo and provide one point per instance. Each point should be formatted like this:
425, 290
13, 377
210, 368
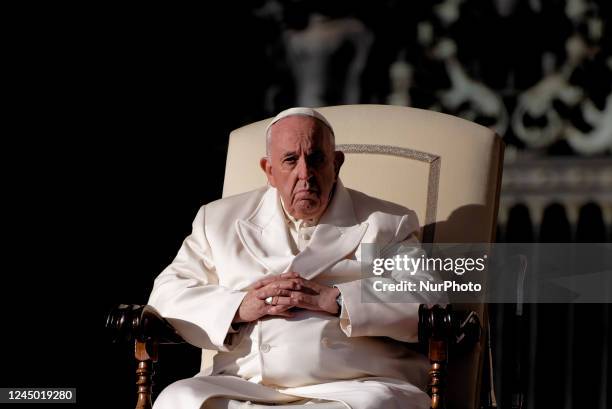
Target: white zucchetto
300, 111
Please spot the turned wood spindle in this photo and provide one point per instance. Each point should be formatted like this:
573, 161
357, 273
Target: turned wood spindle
146, 354
436, 387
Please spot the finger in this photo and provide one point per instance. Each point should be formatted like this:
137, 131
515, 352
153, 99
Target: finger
287, 284
264, 281
267, 280
286, 301
311, 285
306, 301
291, 274
290, 284
266, 292
278, 309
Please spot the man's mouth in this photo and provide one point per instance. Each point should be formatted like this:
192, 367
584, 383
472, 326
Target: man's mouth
305, 194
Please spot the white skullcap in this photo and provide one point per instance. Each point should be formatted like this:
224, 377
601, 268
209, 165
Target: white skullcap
300, 111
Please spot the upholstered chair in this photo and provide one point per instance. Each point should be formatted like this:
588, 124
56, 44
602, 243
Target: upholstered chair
445, 168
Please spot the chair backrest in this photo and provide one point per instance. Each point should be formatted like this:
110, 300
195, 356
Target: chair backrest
445, 168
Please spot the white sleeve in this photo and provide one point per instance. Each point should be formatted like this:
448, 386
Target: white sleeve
397, 320
187, 293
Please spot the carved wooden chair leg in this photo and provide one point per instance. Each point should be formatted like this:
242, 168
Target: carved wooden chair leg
435, 331
437, 375
440, 328
146, 355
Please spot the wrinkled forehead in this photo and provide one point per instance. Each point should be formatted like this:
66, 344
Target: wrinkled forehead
300, 131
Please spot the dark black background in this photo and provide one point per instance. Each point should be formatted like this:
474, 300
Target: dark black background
116, 132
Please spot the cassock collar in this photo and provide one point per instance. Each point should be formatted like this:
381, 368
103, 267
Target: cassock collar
265, 236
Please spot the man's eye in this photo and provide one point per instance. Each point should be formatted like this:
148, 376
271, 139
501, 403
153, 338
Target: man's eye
290, 159
316, 158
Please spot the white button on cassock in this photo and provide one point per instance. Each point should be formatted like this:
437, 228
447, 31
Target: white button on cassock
264, 348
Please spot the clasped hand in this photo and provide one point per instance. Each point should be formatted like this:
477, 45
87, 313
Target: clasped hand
288, 290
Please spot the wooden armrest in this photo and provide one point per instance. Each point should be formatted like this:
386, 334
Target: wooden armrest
133, 322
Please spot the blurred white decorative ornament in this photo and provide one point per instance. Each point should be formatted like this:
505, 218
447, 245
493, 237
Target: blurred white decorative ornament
310, 50
448, 11
537, 102
482, 100
400, 73
599, 139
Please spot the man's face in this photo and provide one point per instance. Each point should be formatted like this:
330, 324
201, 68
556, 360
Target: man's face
302, 165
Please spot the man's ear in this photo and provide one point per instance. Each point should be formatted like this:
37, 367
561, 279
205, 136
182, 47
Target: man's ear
266, 166
338, 161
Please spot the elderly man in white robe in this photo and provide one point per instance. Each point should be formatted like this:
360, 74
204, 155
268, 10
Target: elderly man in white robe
272, 280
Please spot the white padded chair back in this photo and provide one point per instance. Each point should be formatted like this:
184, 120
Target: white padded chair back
445, 168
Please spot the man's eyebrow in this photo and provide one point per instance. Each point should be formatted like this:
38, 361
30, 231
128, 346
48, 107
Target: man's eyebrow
289, 153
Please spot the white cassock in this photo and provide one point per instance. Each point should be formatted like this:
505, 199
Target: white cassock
356, 359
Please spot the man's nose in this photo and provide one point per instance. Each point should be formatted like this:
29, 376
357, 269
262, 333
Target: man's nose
304, 170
